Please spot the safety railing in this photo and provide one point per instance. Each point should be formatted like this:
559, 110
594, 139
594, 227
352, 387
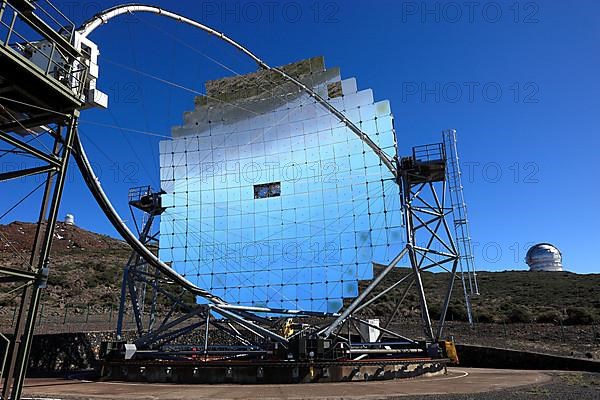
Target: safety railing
137, 193
429, 152
54, 18
75, 317
19, 34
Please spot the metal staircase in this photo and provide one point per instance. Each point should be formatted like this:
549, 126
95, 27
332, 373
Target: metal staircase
461, 221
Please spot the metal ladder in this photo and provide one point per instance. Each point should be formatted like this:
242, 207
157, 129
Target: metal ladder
461, 221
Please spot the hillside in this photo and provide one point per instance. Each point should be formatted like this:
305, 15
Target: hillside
511, 296
86, 269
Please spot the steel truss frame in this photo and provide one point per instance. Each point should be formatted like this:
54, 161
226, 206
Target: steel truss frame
35, 274
39, 98
429, 244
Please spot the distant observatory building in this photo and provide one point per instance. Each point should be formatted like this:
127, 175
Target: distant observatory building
69, 219
544, 257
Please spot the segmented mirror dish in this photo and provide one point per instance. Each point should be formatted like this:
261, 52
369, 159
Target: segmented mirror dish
271, 200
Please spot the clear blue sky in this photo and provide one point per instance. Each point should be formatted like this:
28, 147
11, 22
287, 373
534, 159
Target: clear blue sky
518, 80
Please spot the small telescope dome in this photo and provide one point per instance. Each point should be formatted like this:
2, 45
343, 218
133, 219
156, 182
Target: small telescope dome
69, 219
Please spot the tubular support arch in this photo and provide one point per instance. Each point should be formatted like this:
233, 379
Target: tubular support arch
93, 183
105, 16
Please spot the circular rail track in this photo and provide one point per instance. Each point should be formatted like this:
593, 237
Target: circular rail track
458, 380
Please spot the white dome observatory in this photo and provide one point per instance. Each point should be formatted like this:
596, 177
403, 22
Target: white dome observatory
544, 257
70, 219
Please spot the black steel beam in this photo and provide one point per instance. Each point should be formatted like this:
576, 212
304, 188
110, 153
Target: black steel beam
30, 300
38, 120
50, 159
152, 337
25, 172
19, 274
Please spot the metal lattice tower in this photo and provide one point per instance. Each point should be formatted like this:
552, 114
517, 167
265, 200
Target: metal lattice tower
138, 274
45, 81
461, 221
